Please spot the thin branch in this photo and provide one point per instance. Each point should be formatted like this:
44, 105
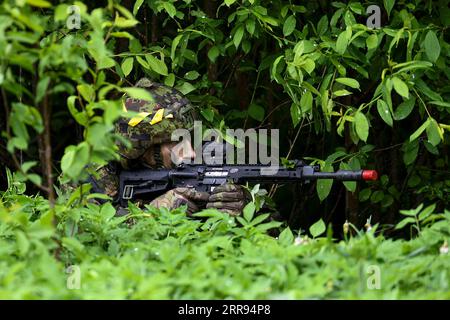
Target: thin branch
8, 134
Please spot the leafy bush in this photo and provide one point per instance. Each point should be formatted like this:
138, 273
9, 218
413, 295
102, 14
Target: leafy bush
157, 254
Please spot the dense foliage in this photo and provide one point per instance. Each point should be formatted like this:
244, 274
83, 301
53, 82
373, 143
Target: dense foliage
342, 94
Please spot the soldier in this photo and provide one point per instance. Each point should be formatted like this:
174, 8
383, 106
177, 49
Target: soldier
151, 146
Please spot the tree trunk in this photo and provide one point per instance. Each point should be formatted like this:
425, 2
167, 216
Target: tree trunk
45, 149
210, 9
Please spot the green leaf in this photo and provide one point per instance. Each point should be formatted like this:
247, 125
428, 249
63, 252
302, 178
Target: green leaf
122, 34
404, 109
87, 91
309, 66
372, 41
170, 9
249, 211
295, 114
269, 20
404, 222
208, 114
28, 165
97, 49
341, 43
107, 211
39, 3
138, 93
432, 149
412, 212
389, 4
274, 71
432, 94
286, 237
122, 22
400, 87
433, 132
74, 246
356, 7
377, 196
174, 46
432, 47
237, 38
387, 201
341, 93
186, 88
419, 131
61, 12
41, 89
74, 160
384, 112
250, 26
36, 179
256, 112
306, 101
266, 226
323, 186
349, 82
317, 228
411, 150
80, 117
289, 25
156, 65
361, 126
440, 103
427, 212
127, 66
260, 218
410, 65
213, 53
142, 62
364, 195
137, 5
322, 26
23, 244
309, 87
170, 80
191, 75
229, 2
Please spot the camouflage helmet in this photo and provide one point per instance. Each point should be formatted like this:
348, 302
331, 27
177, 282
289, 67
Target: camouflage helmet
157, 119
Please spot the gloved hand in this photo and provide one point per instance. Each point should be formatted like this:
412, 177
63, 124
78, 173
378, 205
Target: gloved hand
229, 198
177, 197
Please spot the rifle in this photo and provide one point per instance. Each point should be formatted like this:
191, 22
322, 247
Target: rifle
147, 183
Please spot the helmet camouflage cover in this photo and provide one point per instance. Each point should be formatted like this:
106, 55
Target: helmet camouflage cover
156, 120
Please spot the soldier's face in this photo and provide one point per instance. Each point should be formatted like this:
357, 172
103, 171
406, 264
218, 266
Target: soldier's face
174, 153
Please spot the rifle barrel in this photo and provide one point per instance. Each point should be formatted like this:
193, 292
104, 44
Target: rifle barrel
343, 175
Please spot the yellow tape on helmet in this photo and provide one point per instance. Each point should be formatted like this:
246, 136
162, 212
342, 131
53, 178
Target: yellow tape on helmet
136, 120
157, 117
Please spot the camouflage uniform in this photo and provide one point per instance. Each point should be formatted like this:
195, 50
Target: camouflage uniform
153, 125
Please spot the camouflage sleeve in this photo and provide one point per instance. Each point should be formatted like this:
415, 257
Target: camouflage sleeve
194, 200
106, 180
229, 198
